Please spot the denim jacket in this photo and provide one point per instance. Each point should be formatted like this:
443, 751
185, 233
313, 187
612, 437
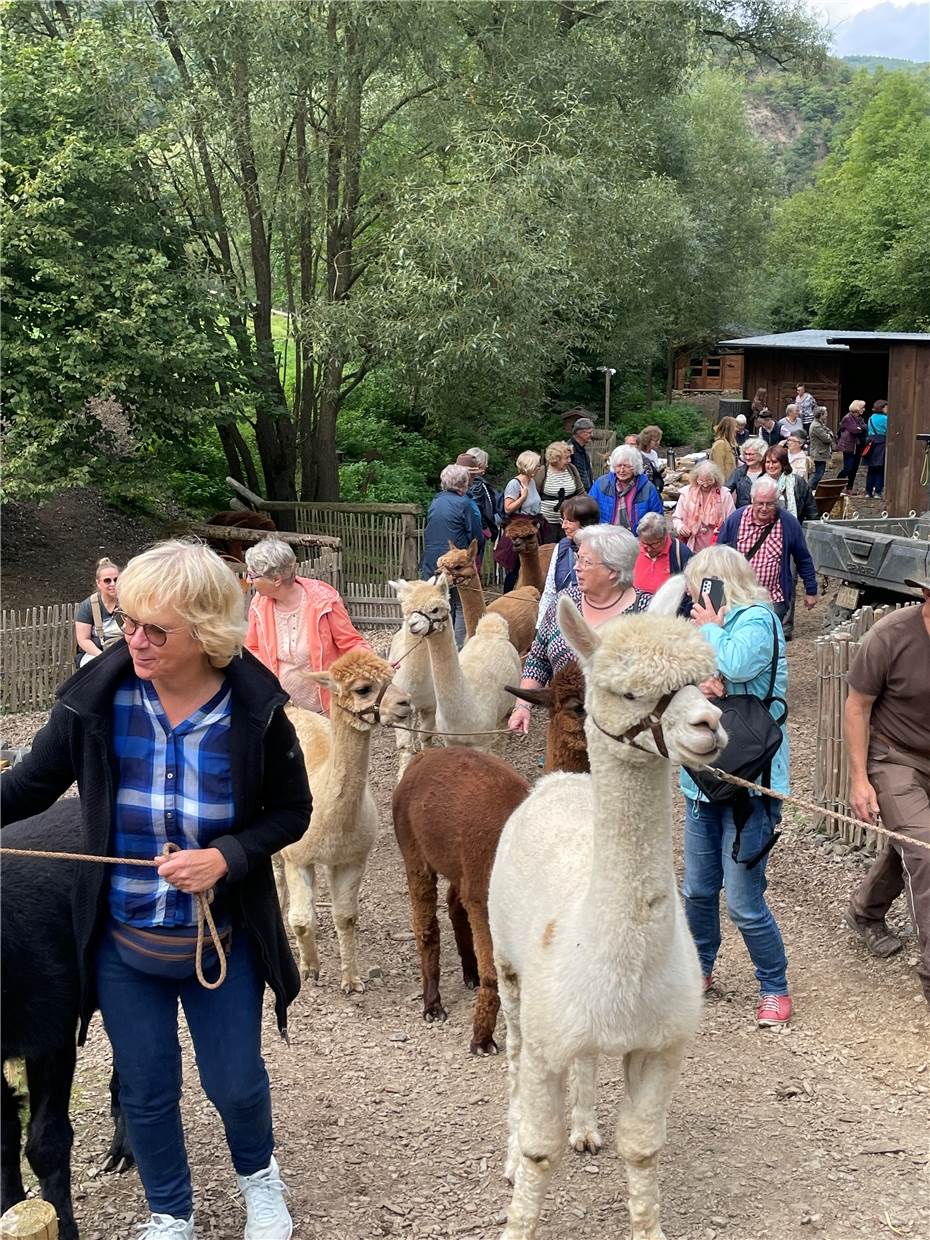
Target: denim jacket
743, 646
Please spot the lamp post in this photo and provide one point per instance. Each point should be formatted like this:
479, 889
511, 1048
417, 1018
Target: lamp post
608, 373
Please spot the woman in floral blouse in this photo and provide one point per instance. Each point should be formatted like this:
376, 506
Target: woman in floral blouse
604, 571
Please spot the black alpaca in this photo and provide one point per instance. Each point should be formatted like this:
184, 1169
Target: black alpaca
40, 1010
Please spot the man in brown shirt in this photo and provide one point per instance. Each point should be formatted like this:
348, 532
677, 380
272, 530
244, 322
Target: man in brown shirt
887, 735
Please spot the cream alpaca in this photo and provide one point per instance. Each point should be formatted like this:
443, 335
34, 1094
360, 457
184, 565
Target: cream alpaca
591, 948
469, 686
414, 678
344, 823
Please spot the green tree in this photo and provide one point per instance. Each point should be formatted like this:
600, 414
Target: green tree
858, 241
109, 339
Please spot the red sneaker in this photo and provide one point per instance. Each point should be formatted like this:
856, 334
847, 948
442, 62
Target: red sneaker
773, 1010
708, 982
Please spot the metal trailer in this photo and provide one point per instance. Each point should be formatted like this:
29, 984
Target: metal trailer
869, 559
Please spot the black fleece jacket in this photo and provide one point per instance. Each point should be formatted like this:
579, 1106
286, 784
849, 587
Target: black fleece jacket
270, 791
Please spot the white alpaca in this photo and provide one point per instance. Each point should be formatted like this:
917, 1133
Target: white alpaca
469, 686
591, 945
344, 822
414, 678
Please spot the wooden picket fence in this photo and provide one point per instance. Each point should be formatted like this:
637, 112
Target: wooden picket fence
834, 652
37, 650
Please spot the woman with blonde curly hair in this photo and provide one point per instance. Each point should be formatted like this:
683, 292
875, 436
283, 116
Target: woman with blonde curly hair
178, 738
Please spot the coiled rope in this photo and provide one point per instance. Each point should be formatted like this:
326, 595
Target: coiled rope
202, 898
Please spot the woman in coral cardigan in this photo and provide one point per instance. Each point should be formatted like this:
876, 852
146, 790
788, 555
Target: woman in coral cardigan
296, 625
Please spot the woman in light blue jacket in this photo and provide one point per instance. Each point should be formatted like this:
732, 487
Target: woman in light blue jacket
745, 634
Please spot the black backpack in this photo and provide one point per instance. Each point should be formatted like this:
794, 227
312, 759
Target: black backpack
754, 737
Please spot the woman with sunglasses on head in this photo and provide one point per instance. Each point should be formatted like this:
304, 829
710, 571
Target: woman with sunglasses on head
95, 625
297, 625
179, 738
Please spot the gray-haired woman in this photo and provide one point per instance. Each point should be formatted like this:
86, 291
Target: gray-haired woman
624, 494
604, 566
297, 625
739, 483
453, 520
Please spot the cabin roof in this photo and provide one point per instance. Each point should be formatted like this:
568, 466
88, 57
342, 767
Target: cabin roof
823, 339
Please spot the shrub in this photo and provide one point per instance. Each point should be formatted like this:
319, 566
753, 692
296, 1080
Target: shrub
681, 424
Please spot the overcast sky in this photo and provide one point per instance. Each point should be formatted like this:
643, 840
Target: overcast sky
877, 27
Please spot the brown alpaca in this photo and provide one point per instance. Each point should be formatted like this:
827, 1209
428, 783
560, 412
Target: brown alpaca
519, 607
455, 836
534, 560
229, 548
563, 697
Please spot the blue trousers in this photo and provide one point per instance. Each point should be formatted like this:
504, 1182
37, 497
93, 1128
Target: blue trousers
709, 835
140, 1013
820, 468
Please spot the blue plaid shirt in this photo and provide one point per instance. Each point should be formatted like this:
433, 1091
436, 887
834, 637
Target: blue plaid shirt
175, 785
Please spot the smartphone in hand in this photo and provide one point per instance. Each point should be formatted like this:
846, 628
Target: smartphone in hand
712, 589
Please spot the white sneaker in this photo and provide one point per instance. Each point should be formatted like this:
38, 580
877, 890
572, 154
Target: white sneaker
267, 1217
166, 1227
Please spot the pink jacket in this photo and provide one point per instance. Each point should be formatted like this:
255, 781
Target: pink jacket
330, 631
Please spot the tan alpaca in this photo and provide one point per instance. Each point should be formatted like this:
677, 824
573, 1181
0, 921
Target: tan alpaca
519, 608
591, 948
534, 560
344, 823
471, 700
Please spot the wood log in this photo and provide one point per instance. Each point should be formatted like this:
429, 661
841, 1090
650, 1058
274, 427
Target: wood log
236, 533
30, 1220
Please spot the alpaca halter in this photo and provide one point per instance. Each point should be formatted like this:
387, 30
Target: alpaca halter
372, 712
652, 721
432, 625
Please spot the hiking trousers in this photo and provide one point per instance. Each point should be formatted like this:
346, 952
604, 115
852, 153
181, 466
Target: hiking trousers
903, 793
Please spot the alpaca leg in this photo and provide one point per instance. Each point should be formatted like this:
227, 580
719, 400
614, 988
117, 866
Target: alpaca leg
541, 1134
428, 723
487, 1001
11, 1179
301, 892
509, 985
651, 1077
421, 883
344, 882
50, 1135
280, 881
463, 940
582, 1089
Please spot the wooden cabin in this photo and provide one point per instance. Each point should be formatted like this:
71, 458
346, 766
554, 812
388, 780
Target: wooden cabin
838, 367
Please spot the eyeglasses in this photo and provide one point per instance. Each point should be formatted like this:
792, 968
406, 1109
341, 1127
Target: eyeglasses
109, 581
582, 562
254, 576
154, 633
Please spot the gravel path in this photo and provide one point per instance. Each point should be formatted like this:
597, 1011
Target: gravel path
388, 1127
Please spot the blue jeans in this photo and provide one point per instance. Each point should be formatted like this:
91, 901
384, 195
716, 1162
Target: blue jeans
709, 835
820, 468
140, 1013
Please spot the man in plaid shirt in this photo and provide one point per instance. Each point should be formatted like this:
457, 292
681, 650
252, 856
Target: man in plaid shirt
771, 538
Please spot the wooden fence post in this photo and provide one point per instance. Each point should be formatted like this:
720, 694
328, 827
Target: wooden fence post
410, 552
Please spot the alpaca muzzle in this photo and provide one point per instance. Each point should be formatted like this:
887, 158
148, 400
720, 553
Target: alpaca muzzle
434, 624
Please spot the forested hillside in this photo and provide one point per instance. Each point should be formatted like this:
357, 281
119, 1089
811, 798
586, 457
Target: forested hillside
321, 246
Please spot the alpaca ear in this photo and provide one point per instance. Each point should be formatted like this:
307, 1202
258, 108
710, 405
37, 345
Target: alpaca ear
401, 588
576, 630
541, 697
324, 679
452, 546
473, 549
667, 599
